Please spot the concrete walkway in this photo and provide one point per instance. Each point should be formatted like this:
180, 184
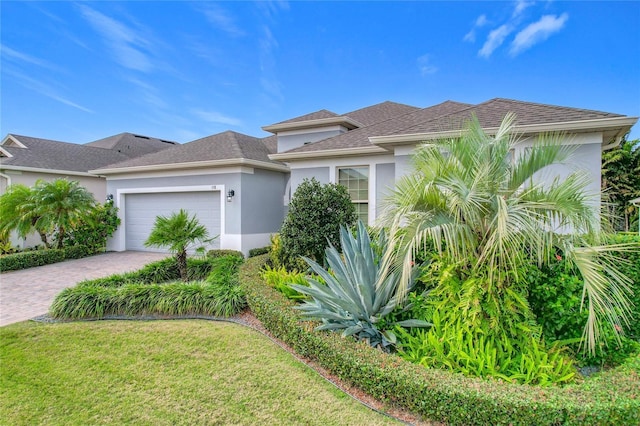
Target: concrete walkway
28, 293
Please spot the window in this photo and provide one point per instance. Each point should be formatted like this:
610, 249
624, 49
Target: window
356, 179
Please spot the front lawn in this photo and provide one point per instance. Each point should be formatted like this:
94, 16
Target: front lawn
161, 372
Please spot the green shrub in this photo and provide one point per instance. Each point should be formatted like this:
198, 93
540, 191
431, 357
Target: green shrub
258, 251
315, 215
611, 398
33, 258
224, 252
78, 252
136, 293
94, 230
555, 296
280, 279
631, 268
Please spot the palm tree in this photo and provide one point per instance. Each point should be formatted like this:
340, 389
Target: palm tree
60, 204
18, 214
485, 210
178, 232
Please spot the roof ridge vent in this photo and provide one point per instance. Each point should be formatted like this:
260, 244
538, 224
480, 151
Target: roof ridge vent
141, 137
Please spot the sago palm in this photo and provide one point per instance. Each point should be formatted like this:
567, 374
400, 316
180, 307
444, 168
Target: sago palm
485, 208
60, 205
178, 232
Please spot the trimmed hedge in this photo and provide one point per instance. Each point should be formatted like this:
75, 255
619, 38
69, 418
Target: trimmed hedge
609, 398
30, 259
258, 251
224, 252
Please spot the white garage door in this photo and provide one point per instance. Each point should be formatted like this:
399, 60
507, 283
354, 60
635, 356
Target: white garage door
141, 211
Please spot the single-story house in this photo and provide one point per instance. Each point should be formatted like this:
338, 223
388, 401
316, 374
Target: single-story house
239, 186
24, 160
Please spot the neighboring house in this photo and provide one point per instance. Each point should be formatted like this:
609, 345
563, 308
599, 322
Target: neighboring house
24, 160
239, 185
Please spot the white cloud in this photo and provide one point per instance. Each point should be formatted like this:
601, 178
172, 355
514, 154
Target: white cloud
268, 79
44, 90
495, 40
126, 44
520, 7
215, 117
481, 21
222, 20
15, 56
537, 32
425, 66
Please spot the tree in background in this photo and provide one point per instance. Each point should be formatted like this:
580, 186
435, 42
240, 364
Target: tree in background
178, 232
621, 183
315, 215
60, 206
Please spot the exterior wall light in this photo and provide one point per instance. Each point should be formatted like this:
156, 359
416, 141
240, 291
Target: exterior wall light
110, 197
230, 195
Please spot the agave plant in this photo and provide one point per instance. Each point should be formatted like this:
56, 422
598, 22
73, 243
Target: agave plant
360, 290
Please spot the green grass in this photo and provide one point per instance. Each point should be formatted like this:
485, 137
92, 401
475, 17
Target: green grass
161, 373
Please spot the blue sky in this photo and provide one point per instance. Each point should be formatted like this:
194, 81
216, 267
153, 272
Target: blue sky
80, 71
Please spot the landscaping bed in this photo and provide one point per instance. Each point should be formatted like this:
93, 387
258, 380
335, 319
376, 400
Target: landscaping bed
610, 397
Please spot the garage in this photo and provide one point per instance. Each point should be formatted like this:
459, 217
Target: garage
141, 210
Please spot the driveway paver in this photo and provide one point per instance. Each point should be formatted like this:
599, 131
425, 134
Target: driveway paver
28, 293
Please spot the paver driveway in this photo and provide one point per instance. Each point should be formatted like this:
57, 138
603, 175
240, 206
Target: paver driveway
28, 293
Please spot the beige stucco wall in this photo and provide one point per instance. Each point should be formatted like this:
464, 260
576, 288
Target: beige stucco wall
96, 185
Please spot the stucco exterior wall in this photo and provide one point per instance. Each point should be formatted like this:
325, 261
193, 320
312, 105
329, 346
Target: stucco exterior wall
293, 139
325, 170
253, 214
262, 201
299, 175
385, 181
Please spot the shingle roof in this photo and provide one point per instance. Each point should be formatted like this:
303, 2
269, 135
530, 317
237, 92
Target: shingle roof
491, 113
56, 155
132, 145
228, 145
360, 137
380, 112
317, 115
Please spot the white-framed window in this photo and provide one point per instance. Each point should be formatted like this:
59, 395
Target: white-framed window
356, 180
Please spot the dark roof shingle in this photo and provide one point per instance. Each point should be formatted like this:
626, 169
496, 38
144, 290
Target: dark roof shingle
360, 137
227, 145
56, 155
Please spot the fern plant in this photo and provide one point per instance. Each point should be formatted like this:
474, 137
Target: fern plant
360, 290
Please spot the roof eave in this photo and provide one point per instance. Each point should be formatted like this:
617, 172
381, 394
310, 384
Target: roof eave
347, 122
41, 170
328, 153
194, 165
622, 123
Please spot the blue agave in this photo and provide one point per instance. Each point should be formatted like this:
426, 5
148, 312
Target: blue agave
360, 290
